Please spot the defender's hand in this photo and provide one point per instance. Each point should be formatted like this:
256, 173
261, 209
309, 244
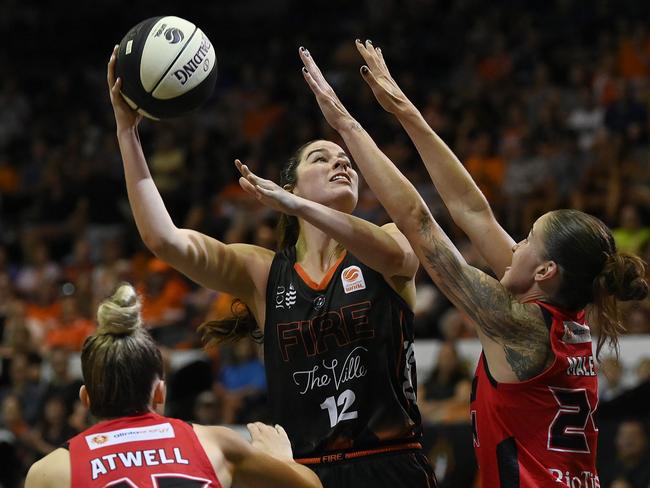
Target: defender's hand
375, 72
271, 440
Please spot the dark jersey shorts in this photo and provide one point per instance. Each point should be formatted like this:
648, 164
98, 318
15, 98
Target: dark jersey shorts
404, 469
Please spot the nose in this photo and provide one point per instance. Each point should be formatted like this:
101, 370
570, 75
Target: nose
341, 163
515, 247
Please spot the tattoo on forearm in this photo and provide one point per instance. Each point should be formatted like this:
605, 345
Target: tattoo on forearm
524, 338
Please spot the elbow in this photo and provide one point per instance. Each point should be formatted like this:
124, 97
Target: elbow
160, 246
413, 218
153, 242
460, 207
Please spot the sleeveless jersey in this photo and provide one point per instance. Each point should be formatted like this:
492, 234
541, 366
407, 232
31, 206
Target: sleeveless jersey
339, 358
540, 432
147, 450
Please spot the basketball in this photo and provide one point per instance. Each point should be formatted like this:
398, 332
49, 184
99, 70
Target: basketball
168, 67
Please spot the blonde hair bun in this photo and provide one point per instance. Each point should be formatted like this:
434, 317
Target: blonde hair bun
120, 314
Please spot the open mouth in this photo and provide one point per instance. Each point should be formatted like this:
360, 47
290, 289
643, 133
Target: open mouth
341, 177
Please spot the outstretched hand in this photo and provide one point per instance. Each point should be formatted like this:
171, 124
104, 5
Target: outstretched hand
125, 116
266, 191
271, 440
382, 84
335, 113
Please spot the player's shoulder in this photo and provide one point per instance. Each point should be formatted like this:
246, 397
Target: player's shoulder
52, 470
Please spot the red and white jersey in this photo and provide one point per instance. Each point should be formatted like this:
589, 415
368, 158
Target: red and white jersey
540, 432
147, 450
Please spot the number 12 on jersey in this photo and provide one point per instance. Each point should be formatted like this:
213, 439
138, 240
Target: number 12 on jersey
345, 399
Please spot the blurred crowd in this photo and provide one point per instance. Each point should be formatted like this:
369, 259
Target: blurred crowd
546, 103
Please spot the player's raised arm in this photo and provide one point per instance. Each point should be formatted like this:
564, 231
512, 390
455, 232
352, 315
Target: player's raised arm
238, 269
384, 248
467, 205
514, 335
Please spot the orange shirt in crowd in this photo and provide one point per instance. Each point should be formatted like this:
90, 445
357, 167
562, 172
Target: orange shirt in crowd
43, 313
70, 336
156, 309
634, 59
488, 172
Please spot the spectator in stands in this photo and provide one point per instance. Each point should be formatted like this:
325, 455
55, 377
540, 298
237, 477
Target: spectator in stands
61, 382
643, 370
207, 410
444, 396
53, 430
611, 379
241, 387
163, 308
632, 456
14, 430
637, 320
621, 483
41, 269
28, 392
631, 235
70, 328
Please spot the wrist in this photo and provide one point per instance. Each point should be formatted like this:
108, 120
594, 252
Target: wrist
300, 206
407, 112
126, 131
349, 127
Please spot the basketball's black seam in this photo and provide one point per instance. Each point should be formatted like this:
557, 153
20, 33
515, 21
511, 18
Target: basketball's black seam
172, 63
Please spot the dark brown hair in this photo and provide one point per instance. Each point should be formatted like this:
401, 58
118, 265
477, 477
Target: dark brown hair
241, 323
593, 272
238, 325
120, 361
288, 228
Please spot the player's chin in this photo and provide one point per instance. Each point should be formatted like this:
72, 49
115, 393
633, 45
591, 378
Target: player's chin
349, 198
347, 191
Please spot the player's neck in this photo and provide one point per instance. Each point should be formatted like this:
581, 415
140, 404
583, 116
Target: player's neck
315, 249
533, 295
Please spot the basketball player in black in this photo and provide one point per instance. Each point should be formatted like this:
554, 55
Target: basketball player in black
334, 305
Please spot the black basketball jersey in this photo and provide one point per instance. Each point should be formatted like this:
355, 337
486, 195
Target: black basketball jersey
339, 357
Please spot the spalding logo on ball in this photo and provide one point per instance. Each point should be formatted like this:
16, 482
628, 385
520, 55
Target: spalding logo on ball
168, 67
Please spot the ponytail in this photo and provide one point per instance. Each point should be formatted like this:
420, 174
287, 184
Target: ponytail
621, 279
239, 325
594, 274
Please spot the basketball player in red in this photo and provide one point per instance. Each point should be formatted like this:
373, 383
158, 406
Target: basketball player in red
535, 388
334, 305
133, 446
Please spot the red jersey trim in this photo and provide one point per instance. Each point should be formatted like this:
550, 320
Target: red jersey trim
542, 375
